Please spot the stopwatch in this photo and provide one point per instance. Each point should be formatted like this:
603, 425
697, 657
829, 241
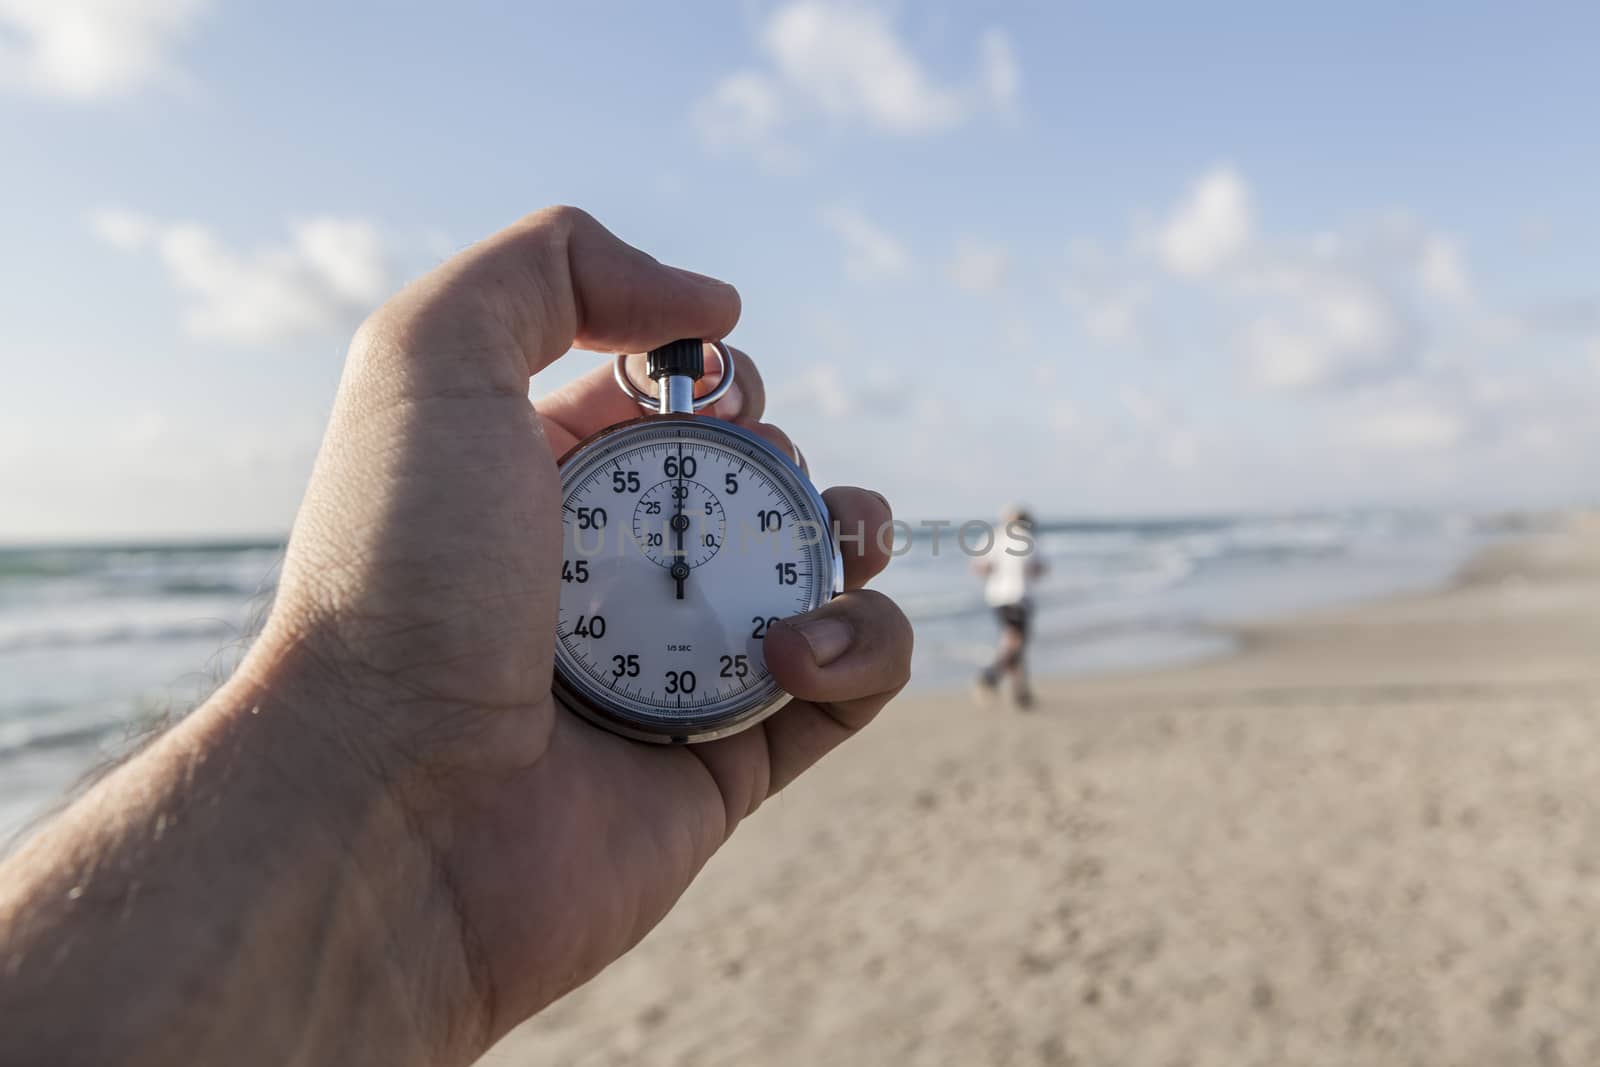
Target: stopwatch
685, 540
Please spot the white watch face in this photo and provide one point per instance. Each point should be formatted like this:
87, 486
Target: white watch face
685, 540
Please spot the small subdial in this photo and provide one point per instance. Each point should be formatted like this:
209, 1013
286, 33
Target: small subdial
679, 521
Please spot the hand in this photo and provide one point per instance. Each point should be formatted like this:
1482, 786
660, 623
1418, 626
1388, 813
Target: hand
418, 606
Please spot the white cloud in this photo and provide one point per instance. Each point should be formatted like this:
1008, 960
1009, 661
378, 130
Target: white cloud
1329, 326
86, 49
846, 62
1443, 270
322, 281
1001, 73
1340, 307
837, 394
1064, 418
126, 230
1143, 407
1281, 358
1114, 317
871, 252
143, 430
1161, 432
1107, 300
1211, 228
849, 62
1181, 448
1411, 427
978, 267
745, 111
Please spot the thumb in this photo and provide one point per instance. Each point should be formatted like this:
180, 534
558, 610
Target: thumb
504, 309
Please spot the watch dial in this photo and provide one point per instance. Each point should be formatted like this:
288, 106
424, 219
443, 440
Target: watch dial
685, 540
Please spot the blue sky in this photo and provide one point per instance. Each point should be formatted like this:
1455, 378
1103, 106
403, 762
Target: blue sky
1131, 258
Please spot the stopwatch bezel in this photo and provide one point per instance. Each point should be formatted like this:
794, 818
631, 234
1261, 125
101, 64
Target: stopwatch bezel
689, 731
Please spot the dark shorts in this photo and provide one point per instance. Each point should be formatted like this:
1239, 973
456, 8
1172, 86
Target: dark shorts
1014, 617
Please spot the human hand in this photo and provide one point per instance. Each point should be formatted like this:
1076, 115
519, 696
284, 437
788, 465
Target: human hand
417, 608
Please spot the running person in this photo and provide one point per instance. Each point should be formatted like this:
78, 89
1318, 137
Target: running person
1011, 569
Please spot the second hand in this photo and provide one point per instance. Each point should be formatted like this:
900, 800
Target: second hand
680, 521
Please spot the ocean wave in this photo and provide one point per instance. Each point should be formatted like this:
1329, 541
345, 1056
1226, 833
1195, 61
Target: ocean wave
59, 728
1070, 582
222, 570
21, 638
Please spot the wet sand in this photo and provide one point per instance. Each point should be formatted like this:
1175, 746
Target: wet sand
1370, 837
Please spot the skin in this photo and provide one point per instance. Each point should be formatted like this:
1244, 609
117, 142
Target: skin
382, 841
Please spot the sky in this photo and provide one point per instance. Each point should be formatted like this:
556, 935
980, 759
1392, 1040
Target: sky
1125, 259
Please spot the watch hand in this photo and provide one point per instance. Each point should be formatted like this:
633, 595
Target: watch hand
680, 567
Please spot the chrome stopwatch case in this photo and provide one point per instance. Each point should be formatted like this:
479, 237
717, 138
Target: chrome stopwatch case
686, 539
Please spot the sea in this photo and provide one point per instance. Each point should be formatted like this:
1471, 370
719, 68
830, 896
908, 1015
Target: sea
100, 644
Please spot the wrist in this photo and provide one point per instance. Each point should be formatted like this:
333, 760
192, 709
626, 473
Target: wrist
305, 754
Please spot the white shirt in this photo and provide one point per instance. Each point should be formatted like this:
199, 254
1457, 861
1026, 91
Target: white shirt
1011, 578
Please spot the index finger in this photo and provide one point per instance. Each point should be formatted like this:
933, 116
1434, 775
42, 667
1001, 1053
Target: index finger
504, 309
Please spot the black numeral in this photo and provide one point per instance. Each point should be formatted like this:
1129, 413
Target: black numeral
625, 666
787, 574
770, 520
711, 540
651, 540
730, 483
735, 666
593, 518
761, 626
590, 626
652, 507
680, 681
679, 492
624, 481
676, 469
575, 571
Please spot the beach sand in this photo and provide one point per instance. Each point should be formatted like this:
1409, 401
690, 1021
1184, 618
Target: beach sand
1370, 837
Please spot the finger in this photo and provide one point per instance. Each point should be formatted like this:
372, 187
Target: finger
594, 402
777, 439
839, 688
843, 663
746, 398
554, 279
856, 645
861, 521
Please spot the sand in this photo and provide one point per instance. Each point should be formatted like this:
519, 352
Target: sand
1370, 837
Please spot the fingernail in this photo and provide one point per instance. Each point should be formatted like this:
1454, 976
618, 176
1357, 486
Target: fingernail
829, 638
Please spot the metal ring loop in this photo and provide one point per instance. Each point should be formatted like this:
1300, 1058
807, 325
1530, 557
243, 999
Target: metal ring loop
653, 400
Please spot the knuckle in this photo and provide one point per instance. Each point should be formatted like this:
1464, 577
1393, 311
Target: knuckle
563, 217
877, 607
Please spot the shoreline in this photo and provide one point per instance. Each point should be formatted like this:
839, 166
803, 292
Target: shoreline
1150, 601
1370, 835
1481, 592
